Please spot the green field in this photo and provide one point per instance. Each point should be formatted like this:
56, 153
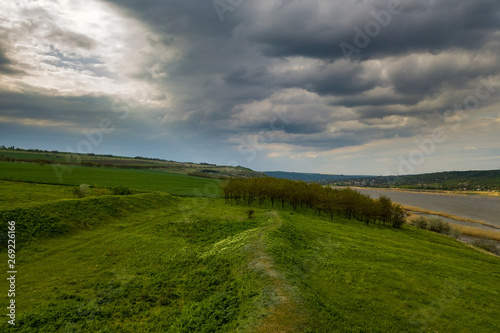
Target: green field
153, 262
144, 180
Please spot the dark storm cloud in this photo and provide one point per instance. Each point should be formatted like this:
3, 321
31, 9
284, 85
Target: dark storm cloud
314, 29
82, 111
378, 100
340, 79
262, 49
245, 76
193, 18
422, 26
349, 137
6, 63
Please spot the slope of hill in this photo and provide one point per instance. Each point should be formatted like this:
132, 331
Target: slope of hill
155, 263
309, 177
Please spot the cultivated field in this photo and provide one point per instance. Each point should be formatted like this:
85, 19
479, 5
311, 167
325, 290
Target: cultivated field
141, 180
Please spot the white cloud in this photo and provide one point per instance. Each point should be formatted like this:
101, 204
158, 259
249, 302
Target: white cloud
79, 47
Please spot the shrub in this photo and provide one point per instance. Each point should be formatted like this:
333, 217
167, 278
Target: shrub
455, 233
250, 213
77, 192
421, 222
80, 191
437, 225
99, 191
486, 244
121, 190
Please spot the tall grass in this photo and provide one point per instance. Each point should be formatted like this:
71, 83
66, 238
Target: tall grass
477, 232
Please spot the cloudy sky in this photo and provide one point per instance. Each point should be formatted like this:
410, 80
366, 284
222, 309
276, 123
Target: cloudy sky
330, 86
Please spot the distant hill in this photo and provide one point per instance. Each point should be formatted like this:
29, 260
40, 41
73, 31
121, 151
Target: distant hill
43, 157
310, 177
478, 180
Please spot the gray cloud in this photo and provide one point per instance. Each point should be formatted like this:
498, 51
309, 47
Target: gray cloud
228, 78
78, 111
6, 64
431, 26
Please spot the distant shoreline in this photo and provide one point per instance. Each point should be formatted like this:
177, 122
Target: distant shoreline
414, 209
440, 192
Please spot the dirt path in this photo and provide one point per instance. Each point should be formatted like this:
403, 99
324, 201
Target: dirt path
285, 314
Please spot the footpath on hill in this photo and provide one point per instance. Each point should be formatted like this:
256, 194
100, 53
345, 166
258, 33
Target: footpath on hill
286, 315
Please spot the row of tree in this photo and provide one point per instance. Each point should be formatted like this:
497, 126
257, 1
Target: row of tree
341, 202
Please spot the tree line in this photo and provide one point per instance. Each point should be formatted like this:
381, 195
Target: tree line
322, 199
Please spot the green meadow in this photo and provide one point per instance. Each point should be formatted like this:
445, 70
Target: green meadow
143, 180
155, 262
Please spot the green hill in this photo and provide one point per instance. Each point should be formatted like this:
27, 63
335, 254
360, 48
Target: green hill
310, 177
66, 160
479, 180
155, 263
141, 180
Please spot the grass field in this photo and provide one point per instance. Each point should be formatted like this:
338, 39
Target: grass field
145, 180
155, 263
17, 194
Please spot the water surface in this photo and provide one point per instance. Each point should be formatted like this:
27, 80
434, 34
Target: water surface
485, 209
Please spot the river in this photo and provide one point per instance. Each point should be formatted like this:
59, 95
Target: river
485, 209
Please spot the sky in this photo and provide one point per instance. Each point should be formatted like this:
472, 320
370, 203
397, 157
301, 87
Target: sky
328, 86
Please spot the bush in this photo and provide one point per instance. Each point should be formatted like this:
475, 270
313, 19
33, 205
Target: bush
438, 225
486, 244
99, 190
121, 190
421, 222
80, 191
455, 233
250, 213
435, 224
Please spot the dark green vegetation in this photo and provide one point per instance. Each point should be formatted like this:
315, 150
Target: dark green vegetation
65, 159
449, 181
153, 262
310, 177
334, 202
433, 224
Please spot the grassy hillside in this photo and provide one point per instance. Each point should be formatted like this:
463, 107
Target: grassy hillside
146, 180
156, 263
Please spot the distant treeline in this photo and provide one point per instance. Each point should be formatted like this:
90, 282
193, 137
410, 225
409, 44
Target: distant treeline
340, 202
204, 174
488, 180
95, 164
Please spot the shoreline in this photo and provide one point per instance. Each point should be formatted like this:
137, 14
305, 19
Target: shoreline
482, 194
413, 209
